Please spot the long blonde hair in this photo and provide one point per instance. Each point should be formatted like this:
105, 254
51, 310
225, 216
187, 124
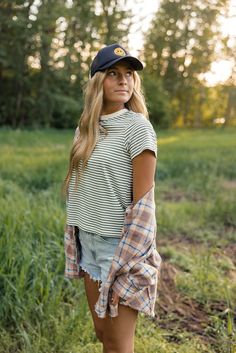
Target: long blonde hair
88, 127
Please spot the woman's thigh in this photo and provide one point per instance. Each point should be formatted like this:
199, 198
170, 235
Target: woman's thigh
118, 332
92, 293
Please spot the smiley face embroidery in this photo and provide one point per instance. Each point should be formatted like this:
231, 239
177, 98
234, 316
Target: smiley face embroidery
119, 52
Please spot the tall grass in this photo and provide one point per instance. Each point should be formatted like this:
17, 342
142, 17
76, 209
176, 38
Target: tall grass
41, 311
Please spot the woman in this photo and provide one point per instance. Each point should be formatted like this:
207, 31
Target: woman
112, 166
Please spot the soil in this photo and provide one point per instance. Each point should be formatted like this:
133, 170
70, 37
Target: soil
229, 184
176, 312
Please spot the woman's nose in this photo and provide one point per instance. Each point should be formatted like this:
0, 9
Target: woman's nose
122, 78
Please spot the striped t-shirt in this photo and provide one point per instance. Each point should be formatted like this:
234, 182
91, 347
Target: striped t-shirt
104, 191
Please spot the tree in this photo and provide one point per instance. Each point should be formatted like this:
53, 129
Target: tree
157, 101
46, 50
179, 46
16, 45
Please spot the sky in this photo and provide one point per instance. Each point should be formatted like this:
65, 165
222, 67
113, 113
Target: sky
144, 11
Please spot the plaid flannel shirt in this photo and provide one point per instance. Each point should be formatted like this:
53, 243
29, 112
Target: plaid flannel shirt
134, 270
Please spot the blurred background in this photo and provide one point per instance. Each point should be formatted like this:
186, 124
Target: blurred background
188, 47
189, 51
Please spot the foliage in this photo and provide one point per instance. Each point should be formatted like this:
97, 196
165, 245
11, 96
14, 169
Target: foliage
46, 50
157, 101
179, 48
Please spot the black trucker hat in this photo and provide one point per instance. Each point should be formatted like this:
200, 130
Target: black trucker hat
110, 55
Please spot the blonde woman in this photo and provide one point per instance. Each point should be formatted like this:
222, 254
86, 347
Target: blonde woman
112, 168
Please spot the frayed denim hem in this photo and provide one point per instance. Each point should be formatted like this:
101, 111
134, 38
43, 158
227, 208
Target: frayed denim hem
94, 278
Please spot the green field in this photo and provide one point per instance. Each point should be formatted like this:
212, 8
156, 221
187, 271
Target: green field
42, 312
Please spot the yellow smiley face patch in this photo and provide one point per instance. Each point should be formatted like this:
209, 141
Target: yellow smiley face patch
119, 52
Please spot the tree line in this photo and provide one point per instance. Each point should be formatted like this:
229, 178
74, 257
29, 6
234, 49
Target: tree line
46, 48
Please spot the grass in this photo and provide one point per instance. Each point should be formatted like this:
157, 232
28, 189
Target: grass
41, 311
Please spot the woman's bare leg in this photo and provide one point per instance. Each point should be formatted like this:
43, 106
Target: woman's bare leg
92, 293
116, 334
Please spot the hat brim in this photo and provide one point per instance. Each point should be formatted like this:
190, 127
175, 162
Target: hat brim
135, 63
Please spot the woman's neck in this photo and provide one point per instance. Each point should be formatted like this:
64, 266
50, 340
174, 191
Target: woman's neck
111, 109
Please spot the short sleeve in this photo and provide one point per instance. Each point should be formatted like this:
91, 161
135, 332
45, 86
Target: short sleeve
140, 135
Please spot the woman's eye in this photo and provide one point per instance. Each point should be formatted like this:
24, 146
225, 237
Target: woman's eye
111, 73
115, 73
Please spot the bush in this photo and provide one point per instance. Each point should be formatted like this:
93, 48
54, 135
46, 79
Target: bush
66, 112
157, 101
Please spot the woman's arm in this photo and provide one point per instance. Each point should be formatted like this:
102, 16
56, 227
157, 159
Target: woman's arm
144, 167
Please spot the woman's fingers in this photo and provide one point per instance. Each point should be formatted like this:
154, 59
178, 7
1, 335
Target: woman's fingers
114, 298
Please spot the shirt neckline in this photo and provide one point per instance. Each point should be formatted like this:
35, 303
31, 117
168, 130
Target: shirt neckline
112, 115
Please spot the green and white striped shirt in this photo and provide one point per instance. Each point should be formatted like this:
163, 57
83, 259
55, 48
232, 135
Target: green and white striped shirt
105, 189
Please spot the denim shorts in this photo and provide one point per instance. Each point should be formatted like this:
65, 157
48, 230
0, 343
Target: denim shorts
97, 253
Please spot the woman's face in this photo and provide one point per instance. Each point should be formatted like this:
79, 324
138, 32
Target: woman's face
118, 85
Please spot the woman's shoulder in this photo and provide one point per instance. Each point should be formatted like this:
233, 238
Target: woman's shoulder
138, 120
